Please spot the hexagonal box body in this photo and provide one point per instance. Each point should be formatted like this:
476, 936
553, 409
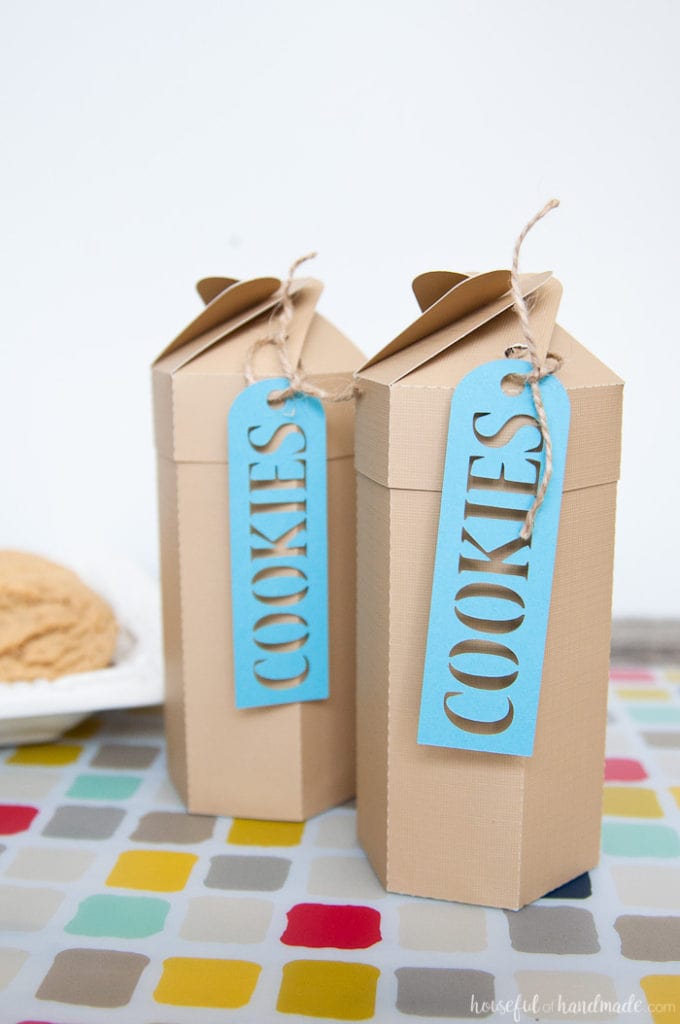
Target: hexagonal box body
293, 760
454, 824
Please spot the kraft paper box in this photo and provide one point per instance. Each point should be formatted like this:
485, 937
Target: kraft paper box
290, 761
456, 824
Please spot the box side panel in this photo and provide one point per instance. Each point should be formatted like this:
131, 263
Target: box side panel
204, 438
372, 430
594, 453
373, 651
328, 350
455, 817
163, 412
563, 786
244, 763
328, 727
419, 419
172, 624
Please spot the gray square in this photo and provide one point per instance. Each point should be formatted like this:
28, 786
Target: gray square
83, 822
552, 930
174, 827
668, 738
93, 977
655, 939
444, 992
253, 874
124, 755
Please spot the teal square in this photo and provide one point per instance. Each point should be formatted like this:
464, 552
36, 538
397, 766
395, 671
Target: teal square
655, 715
104, 787
623, 839
121, 917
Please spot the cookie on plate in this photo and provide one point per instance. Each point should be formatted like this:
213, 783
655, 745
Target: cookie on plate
51, 623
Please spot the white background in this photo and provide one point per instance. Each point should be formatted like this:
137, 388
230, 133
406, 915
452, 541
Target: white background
147, 143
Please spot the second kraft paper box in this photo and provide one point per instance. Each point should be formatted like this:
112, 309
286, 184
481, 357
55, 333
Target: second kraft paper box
457, 824
293, 760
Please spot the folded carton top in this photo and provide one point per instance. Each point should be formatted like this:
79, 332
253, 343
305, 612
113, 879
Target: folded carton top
199, 374
476, 309
453, 306
467, 320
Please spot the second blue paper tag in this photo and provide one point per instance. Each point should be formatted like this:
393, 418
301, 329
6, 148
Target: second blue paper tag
491, 590
278, 532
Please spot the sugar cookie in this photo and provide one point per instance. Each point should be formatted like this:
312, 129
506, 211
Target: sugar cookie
51, 623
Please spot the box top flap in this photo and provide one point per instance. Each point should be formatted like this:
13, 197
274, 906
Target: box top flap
235, 307
210, 287
195, 383
325, 350
464, 308
235, 299
431, 285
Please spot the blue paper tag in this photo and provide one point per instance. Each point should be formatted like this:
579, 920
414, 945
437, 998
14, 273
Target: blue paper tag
491, 589
279, 548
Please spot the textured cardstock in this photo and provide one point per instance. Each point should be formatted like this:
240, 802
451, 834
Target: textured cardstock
289, 761
491, 589
279, 546
462, 824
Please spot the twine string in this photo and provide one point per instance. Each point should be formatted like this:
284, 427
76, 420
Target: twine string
539, 369
299, 383
278, 335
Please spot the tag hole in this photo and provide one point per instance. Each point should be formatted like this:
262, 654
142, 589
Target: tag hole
513, 384
284, 406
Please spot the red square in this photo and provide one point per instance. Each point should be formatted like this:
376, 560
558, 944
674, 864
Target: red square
346, 927
623, 769
15, 818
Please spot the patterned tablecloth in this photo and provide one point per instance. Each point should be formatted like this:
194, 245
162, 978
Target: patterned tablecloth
116, 906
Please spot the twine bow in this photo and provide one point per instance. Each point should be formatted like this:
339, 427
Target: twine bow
277, 336
539, 369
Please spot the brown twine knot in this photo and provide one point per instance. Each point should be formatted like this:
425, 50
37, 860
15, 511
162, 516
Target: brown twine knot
298, 381
539, 369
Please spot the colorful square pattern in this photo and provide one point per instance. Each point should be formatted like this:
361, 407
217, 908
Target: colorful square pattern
116, 905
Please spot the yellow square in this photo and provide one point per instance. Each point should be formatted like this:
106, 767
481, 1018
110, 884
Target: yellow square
631, 802
193, 981
328, 988
156, 870
249, 832
46, 753
663, 997
648, 694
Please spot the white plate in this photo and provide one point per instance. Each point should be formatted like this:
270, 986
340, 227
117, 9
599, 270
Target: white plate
40, 711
